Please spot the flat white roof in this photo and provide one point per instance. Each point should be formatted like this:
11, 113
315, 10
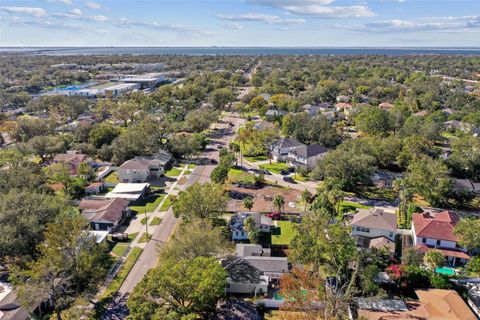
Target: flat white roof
99, 235
129, 187
121, 86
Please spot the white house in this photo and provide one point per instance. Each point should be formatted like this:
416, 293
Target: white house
435, 230
281, 148
306, 156
237, 224
128, 191
374, 223
142, 169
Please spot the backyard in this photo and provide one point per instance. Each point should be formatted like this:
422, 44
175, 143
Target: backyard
112, 177
283, 234
237, 175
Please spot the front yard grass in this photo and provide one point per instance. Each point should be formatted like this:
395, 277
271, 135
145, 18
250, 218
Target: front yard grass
174, 172
237, 175
274, 167
167, 203
375, 193
127, 266
256, 158
283, 234
155, 221
119, 249
112, 177
147, 204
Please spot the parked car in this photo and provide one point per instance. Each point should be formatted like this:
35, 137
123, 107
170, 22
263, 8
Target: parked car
266, 172
289, 180
213, 161
120, 237
219, 146
275, 215
284, 172
291, 169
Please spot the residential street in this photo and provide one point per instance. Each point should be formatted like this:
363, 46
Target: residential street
161, 235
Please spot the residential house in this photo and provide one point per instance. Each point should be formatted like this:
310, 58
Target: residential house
244, 278
374, 223
262, 125
467, 185
385, 179
105, 214
382, 243
273, 267
422, 113
237, 224
431, 304
343, 98
472, 286
281, 148
345, 108
72, 160
235, 309
454, 125
128, 191
386, 106
248, 250
435, 230
141, 169
306, 156
94, 187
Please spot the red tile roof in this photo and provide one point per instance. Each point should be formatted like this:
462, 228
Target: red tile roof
435, 226
446, 252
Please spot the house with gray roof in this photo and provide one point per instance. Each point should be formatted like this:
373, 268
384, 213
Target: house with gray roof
279, 149
243, 277
374, 223
306, 156
237, 224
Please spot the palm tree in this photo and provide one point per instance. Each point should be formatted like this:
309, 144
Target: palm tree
278, 202
243, 136
307, 198
252, 229
433, 258
248, 203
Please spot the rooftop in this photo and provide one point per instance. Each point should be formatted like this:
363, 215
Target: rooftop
375, 218
435, 225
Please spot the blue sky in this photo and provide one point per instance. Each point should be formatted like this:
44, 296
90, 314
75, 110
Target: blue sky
311, 23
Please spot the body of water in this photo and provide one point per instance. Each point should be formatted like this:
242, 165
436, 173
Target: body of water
236, 51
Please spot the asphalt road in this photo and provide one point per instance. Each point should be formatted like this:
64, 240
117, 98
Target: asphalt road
149, 257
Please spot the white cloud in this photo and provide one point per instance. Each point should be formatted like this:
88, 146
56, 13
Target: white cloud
98, 18
448, 24
259, 17
317, 8
61, 1
93, 5
76, 12
232, 26
28, 11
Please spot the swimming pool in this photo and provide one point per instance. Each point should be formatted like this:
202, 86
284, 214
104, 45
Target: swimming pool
446, 271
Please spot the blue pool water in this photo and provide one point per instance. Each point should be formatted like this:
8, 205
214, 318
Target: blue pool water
446, 271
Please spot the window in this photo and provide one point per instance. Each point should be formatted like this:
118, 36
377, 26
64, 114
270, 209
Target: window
424, 240
362, 229
438, 242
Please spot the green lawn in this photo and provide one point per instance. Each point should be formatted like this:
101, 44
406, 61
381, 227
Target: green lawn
192, 166
284, 233
155, 221
174, 172
123, 273
148, 204
119, 248
298, 177
348, 206
275, 167
237, 175
112, 177
144, 238
167, 203
256, 158
132, 236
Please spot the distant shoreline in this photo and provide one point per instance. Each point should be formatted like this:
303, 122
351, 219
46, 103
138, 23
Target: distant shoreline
194, 51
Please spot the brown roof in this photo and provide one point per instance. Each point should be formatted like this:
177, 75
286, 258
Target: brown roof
343, 105
386, 105
94, 185
435, 225
110, 210
382, 243
70, 158
445, 251
444, 304
375, 218
415, 311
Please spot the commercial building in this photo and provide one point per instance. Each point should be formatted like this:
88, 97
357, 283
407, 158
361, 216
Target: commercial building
147, 80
